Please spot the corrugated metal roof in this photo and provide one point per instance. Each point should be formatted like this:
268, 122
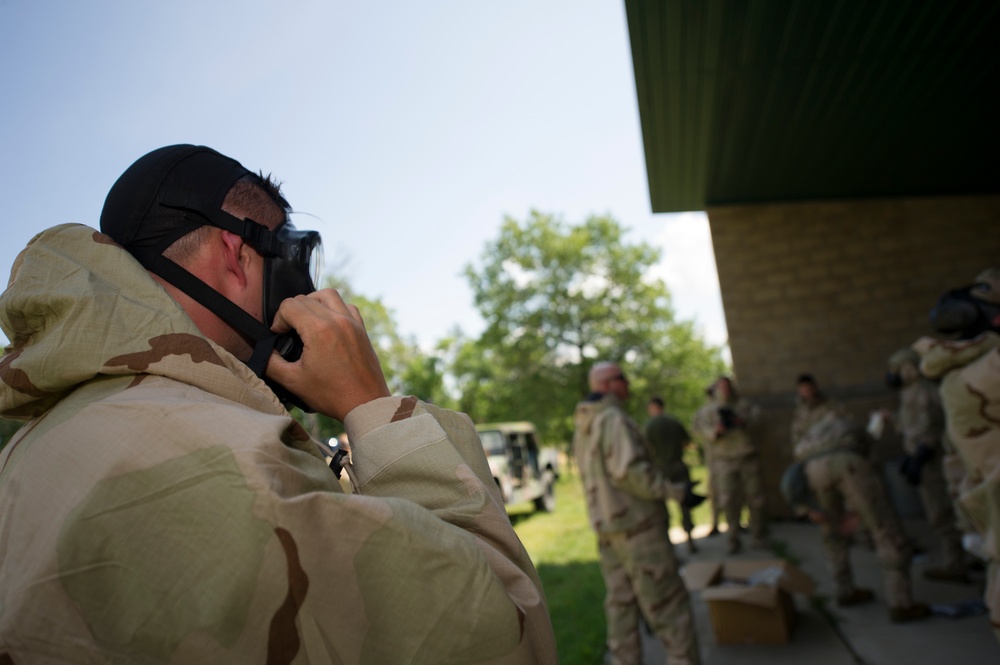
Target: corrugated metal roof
764, 100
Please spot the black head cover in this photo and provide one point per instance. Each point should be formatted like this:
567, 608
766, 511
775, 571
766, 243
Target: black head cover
166, 194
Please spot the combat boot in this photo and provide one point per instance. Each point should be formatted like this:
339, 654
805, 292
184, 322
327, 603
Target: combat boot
912, 613
855, 597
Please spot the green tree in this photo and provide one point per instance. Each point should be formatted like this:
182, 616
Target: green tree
556, 298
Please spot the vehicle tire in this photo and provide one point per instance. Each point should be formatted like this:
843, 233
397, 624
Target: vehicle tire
546, 503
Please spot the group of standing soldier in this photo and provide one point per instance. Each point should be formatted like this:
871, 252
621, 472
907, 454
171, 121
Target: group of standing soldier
948, 419
949, 435
628, 473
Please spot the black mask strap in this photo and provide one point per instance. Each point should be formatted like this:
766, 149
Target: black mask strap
225, 309
265, 341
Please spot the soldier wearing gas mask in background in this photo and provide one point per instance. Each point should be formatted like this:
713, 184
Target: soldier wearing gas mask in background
969, 370
161, 505
735, 463
921, 423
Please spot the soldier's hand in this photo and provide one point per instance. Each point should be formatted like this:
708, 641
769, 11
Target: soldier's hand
338, 369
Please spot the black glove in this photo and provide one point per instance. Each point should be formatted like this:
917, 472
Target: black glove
912, 466
691, 500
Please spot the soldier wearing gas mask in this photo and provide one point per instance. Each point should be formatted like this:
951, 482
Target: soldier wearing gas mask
161, 505
968, 367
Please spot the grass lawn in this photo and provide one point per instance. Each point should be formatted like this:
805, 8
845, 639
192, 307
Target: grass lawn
564, 550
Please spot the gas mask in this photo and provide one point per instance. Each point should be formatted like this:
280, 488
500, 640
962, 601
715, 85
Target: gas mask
960, 312
294, 269
172, 191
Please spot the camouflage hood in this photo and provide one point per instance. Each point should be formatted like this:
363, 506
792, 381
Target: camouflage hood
938, 357
78, 307
587, 410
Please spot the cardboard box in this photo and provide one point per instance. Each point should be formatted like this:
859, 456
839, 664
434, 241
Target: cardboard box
750, 602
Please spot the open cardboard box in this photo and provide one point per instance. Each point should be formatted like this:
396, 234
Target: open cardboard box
746, 614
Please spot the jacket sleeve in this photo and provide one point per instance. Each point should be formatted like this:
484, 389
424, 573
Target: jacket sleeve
629, 468
461, 587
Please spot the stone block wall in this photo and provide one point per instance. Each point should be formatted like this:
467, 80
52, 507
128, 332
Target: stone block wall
833, 288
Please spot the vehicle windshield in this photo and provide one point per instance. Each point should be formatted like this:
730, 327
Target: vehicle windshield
492, 442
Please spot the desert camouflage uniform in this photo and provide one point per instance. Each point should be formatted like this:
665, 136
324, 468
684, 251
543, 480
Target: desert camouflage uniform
736, 474
808, 414
970, 393
842, 479
920, 421
625, 502
697, 426
161, 506
667, 439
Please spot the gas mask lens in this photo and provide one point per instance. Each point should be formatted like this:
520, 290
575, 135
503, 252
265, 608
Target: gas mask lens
316, 259
304, 248
296, 269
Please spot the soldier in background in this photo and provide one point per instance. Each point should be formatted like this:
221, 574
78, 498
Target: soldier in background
811, 405
921, 423
735, 463
847, 490
969, 369
697, 425
625, 502
667, 439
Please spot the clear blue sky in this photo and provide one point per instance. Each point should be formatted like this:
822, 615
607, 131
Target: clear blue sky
409, 128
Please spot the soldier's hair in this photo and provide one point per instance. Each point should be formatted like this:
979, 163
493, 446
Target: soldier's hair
805, 378
657, 400
257, 196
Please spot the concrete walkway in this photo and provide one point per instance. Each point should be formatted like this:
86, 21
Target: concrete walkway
860, 635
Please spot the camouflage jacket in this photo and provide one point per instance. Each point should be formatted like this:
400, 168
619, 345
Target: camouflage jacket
161, 506
624, 491
734, 443
970, 393
808, 414
920, 420
831, 432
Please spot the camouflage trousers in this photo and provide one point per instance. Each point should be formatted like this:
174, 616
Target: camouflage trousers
640, 574
738, 481
941, 514
845, 481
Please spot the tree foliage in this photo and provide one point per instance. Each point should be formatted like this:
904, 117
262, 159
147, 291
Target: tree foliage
556, 298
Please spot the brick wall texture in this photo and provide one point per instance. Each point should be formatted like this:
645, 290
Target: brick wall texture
833, 288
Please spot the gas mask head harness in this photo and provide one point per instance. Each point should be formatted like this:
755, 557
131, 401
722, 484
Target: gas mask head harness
968, 311
172, 191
